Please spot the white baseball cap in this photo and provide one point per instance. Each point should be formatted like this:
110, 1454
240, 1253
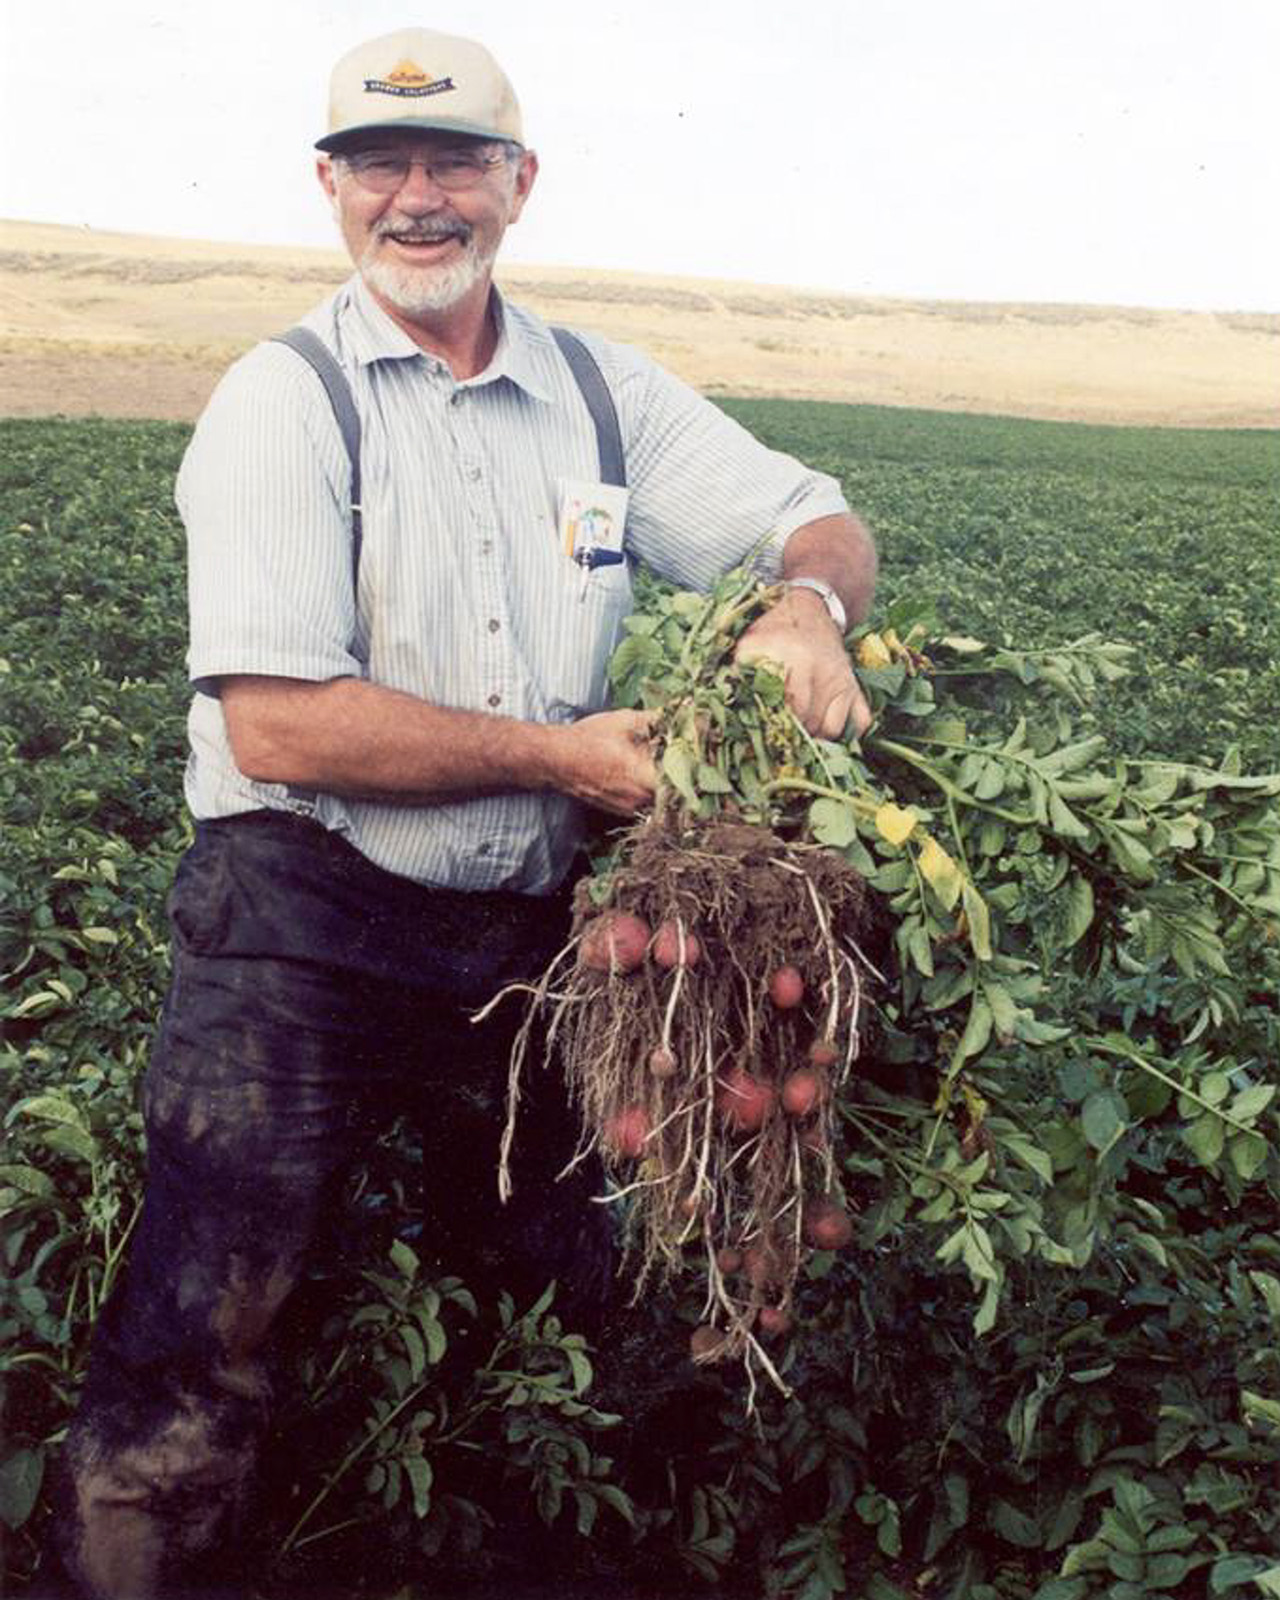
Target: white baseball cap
415, 80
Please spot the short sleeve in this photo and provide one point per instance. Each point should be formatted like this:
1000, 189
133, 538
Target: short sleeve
705, 495
263, 492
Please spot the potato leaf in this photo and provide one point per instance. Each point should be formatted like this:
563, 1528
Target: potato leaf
977, 1032
833, 823
942, 873
1079, 910
894, 823
677, 768
979, 918
1104, 1119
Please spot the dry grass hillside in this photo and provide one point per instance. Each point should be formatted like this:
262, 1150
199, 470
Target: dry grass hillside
131, 326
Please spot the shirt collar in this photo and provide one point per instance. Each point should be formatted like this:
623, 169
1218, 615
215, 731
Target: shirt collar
521, 353
372, 335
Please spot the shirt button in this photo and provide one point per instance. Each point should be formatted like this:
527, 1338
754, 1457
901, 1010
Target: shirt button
473, 473
495, 699
494, 624
482, 849
486, 547
455, 399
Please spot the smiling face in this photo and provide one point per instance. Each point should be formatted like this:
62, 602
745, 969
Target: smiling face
423, 249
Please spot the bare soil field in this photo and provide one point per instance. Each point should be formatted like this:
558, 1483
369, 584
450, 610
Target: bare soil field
126, 325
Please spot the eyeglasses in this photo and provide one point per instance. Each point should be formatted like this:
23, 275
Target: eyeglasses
386, 171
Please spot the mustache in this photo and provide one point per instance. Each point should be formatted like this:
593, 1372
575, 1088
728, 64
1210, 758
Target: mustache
425, 231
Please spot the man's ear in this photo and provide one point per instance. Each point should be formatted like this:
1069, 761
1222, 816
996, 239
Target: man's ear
526, 173
324, 171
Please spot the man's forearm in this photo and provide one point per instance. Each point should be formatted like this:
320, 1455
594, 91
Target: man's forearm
359, 739
841, 552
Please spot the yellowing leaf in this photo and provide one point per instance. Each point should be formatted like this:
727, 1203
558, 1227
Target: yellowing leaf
979, 918
976, 1106
873, 652
941, 872
894, 824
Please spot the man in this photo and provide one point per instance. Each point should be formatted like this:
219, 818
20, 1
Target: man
389, 770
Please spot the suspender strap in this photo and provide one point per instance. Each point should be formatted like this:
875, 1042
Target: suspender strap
314, 350
582, 364
316, 353
604, 414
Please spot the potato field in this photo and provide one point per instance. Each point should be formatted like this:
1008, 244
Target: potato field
978, 1253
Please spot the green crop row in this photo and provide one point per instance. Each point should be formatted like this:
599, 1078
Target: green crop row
1168, 541
1115, 1435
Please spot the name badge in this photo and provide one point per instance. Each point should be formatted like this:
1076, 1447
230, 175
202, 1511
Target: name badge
593, 520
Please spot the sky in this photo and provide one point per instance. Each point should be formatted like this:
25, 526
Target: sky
1098, 151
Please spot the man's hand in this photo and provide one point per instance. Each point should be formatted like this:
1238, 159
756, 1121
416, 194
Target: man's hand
606, 760
799, 635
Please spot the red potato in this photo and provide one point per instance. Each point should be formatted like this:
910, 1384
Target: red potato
729, 1260
772, 1322
827, 1226
814, 1140
803, 1092
764, 1264
786, 988
706, 1343
626, 1131
667, 951
615, 941
823, 1053
661, 1062
743, 1101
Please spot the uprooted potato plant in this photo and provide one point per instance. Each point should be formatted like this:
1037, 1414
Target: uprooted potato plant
705, 1020
792, 902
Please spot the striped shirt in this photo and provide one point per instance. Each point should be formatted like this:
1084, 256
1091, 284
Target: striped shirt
466, 595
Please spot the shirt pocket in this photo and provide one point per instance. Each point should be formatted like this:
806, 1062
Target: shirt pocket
583, 633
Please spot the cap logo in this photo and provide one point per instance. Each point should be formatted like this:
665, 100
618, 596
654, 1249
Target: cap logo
408, 78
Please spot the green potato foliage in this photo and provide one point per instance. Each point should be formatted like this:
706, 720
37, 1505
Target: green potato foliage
1063, 1127
1010, 850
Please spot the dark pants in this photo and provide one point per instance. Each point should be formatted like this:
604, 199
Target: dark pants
314, 997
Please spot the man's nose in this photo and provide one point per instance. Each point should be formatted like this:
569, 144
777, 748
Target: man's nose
419, 189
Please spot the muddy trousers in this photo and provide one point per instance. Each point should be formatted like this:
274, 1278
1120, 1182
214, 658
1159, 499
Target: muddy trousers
314, 998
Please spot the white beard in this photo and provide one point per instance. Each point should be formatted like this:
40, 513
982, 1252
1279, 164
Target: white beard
418, 290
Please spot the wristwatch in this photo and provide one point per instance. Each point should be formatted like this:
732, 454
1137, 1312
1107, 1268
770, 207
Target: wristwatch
828, 596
